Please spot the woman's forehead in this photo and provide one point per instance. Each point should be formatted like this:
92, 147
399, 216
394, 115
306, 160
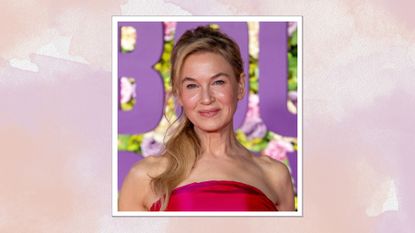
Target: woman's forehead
206, 63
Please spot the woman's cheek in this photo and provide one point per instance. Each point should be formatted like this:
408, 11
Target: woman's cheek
190, 99
224, 95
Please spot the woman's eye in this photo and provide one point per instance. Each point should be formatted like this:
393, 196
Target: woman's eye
219, 82
191, 86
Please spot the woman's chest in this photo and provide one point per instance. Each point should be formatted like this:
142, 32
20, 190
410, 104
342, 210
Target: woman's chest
241, 171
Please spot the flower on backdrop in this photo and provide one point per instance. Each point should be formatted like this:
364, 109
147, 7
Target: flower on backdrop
160, 131
253, 126
278, 149
151, 146
128, 39
292, 95
169, 29
292, 26
292, 103
127, 89
253, 106
253, 39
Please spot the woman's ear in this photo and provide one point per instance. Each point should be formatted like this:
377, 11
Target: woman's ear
241, 87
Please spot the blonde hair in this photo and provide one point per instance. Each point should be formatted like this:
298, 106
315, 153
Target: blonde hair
183, 147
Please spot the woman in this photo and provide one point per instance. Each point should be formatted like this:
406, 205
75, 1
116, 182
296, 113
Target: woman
203, 166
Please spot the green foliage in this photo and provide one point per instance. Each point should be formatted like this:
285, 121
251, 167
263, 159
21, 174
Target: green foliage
123, 141
253, 74
293, 41
130, 143
164, 66
128, 106
292, 62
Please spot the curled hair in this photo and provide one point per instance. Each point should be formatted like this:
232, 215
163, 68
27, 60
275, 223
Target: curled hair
183, 147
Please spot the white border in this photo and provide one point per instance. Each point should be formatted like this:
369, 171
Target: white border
115, 21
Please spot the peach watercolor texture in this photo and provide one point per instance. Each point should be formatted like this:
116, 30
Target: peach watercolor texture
55, 121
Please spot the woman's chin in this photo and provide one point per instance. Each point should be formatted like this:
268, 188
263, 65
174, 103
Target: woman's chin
210, 128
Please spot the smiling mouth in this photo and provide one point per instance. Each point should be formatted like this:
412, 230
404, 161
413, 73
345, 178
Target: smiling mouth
209, 114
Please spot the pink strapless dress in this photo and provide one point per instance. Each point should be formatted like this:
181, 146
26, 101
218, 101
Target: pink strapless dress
217, 195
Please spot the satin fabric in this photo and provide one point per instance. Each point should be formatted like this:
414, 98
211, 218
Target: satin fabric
217, 195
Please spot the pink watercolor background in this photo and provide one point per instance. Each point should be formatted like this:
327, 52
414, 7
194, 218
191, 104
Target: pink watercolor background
55, 118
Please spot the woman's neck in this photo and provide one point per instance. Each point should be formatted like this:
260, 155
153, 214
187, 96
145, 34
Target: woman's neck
218, 144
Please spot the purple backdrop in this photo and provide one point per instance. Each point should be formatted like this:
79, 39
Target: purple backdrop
148, 110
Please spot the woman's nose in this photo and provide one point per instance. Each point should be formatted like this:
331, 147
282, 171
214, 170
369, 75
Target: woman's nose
207, 97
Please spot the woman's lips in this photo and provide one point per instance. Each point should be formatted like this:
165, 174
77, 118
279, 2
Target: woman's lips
209, 113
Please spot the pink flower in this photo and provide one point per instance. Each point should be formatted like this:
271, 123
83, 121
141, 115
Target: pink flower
149, 146
292, 95
128, 38
292, 26
277, 149
169, 29
127, 91
253, 107
253, 127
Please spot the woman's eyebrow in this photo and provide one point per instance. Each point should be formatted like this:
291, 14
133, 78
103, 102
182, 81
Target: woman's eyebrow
220, 74
213, 77
188, 79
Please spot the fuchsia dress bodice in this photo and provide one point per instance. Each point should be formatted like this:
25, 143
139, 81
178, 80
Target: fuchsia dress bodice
217, 195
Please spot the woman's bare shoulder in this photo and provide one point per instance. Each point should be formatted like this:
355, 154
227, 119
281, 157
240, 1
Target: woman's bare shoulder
270, 165
149, 166
279, 179
136, 192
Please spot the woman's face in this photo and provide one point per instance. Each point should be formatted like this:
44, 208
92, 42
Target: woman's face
209, 91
